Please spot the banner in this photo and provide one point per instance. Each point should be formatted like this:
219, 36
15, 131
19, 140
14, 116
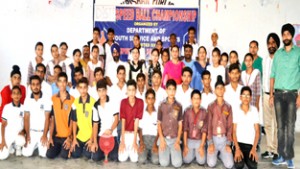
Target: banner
297, 35
151, 23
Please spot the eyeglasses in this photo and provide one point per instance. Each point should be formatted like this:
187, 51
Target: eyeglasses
246, 96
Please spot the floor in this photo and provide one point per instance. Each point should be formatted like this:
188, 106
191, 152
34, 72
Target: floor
38, 163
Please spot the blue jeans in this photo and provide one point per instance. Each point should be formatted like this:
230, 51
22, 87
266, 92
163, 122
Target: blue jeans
286, 114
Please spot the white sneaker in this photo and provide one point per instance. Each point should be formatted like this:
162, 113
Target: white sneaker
18, 152
11, 150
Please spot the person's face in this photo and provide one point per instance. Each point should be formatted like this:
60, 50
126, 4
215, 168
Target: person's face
156, 79
15, 80
116, 54
77, 57
154, 57
54, 52
215, 58
214, 38
110, 36
150, 100
206, 81
196, 100
175, 53
248, 62
173, 40
287, 38
16, 95
98, 76
219, 91
95, 53
234, 75
86, 52
136, 42
171, 91
39, 50
188, 53
135, 54
102, 92
186, 78
121, 75
253, 49
140, 83
83, 89
245, 98
63, 50
165, 57
77, 76
158, 45
62, 83
40, 72
272, 46
35, 86
56, 72
202, 54
96, 35
191, 35
224, 61
131, 91
233, 58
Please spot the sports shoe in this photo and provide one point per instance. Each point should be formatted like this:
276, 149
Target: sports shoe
275, 156
18, 152
290, 164
279, 161
267, 154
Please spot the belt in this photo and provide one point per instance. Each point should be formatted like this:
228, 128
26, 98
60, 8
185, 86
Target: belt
268, 93
36, 130
220, 135
286, 91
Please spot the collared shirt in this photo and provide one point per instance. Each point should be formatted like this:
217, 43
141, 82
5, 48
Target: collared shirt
61, 110
233, 96
189, 64
90, 72
117, 94
160, 96
214, 72
169, 115
286, 69
82, 113
254, 82
148, 123
206, 99
13, 114
257, 64
141, 95
185, 97
111, 70
245, 130
105, 115
46, 90
219, 120
130, 113
267, 66
37, 110
74, 92
195, 122
108, 55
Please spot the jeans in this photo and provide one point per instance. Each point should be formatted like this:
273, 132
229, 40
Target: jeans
57, 149
245, 149
170, 154
286, 114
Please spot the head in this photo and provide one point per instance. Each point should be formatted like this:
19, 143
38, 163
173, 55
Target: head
165, 56
57, 70
234, 57
140, 80
150, 97
39, 49
110, 34
62, 81
186, 76
76, 55
171, 88
202, 53
246, 95
95, 52
98, 74
115, 51
206, 78
273, 43
192, 33
287, 32
96, 33
136, 40
219, 87
35, 84
159, 45
224, 59
54, 51
102, 89
253, 47
175, 52
248, 59
16, 94
188, 51
15, 76
131, 88
135, 53
173, 39
86, 51
63, 48
40, 70
216, 56
234, 72
196, 98
156, 78
82, 86
78, 74
154, 55
121, 73
214, 37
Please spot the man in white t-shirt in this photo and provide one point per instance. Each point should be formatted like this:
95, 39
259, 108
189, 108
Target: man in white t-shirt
183, 92
160, 93
207, 95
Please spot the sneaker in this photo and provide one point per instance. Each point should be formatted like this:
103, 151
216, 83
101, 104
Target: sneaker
279, 161
290, 164
18, 152
275, 156
267, 154
11, 150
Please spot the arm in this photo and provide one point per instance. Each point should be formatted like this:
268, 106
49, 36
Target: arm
229, 128
253, 154
116, 122
44, 139
238, 155
258, 89
26, 126
3, 142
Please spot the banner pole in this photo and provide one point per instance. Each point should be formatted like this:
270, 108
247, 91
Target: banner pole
199, 16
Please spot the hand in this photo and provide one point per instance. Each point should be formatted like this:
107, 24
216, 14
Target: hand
107, 132
135, 147
94, 147
2, 145
44, 140
177, 146
228, 148
298, 102
155, 149
253, 155
121, 147
211, 149
141, 148
238, 155
74, 144
162, 145
185, 151
50, 143
201, 150
89, 144
67, 144
27, 140
271, 101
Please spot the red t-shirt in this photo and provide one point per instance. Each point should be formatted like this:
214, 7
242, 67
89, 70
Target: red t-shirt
131, 113
6, 97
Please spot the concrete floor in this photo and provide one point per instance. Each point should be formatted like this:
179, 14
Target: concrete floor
38, 163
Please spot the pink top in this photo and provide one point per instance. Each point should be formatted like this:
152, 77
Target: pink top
172, 71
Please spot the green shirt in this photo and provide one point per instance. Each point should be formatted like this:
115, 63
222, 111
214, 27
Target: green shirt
286, 69
257, 64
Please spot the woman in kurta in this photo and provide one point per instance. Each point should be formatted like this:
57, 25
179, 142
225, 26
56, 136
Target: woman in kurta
198, 68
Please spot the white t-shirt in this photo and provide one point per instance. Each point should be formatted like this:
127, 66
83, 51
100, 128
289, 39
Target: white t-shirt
117, 95
245, 130
215, 71
160, 95
111, 70
14, 115
46, 90
206, 99
148, 123
209, 52
183, 97
233, 97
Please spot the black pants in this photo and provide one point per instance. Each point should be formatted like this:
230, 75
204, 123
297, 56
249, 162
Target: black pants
245, 149
81, 150
112, 156
57, 149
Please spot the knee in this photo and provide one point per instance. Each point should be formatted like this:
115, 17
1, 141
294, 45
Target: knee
142, 159
64, 154
26, 153
4, 154
211, 162
155, 160
187, 160
50, 155
200, 161
20, 141
76, 155
177, 163
228, 164
239, 165
164, 163
122, 157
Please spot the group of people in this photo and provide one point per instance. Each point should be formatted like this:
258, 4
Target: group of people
182, 105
